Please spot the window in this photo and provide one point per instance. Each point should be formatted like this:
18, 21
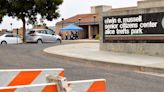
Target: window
31, 32
43, 32
50, 32
9, 35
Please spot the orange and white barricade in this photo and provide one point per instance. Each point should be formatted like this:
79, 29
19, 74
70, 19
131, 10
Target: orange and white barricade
49, 87
97, 85
27, 76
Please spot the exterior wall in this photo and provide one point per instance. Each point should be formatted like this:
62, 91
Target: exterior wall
20, 31
82, 34
57, 28
100, 9
39, 27
152, 49
137, 48
4, 30
150, 3
62, 34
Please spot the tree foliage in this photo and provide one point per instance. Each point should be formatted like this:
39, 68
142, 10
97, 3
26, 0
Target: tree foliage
2, 9
29, 9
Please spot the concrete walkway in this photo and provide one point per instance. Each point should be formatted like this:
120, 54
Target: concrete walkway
90, 51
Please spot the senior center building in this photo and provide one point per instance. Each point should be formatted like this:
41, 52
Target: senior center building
89, 22
138, 29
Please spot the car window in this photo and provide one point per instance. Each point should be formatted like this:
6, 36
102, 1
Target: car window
50, 32
9, 35
39, 31
31, 32
42, 31
15, 35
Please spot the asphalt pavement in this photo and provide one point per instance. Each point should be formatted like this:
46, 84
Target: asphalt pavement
31, 56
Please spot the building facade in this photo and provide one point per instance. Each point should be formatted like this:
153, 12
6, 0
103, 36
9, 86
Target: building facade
89, 23
136, 30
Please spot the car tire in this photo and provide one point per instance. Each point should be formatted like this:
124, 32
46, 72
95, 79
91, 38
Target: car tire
39, 41
3, 43
58, 41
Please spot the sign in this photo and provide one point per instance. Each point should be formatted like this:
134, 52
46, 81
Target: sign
133, 26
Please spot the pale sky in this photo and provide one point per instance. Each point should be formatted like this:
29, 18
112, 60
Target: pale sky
70, 8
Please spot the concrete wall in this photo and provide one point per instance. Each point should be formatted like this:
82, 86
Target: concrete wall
152, 49
3, 30
20, 31
136, 48
150, 3
100, 9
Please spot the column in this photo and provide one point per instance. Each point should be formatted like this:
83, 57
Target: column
90, 32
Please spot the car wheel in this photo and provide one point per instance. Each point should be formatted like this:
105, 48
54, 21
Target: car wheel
4, 43
39, 41
58, 41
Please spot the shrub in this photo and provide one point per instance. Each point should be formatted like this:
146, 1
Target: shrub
97, 37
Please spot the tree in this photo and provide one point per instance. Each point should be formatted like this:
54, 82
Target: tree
29, 9
2, 9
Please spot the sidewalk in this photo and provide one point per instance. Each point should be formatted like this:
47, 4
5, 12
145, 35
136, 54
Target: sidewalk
90, 51
82, 41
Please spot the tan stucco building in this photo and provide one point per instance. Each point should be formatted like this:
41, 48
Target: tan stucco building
143, 43
89, 23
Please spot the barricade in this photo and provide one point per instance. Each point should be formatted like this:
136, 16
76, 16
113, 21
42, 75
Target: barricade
97, 85
27, 76
46, 80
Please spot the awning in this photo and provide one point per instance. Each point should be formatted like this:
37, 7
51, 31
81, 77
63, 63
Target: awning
71, 27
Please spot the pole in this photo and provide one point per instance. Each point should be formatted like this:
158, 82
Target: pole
17, 35
60, 33
94, 17
62, 22
79, 26
11, 26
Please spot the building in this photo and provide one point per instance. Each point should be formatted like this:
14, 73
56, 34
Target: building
3, 30
89, 23
19, 31
137, 30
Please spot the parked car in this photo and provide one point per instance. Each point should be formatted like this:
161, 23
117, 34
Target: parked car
42, 36
9, 38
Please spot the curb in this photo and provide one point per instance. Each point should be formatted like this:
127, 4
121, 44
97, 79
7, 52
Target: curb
109, 65
82, 41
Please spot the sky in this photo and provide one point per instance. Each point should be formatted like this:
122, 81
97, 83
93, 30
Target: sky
71, 8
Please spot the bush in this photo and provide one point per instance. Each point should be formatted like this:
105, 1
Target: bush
97, 37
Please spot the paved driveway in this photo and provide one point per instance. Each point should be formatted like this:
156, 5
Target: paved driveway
32, 56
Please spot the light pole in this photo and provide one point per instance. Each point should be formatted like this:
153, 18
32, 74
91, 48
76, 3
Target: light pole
60, 33
77, 33
17, 35
94, 35
79, 21
11, 26
27, 25
62, 22
94, 17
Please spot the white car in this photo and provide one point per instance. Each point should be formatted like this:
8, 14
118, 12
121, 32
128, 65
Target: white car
9, 38
42, 35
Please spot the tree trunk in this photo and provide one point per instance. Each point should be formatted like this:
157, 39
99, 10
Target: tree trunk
24, 29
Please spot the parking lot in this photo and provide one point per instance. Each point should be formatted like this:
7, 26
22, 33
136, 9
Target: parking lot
32, 56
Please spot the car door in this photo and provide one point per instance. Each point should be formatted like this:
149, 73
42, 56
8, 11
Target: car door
50, 36
43, 35
10, 39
